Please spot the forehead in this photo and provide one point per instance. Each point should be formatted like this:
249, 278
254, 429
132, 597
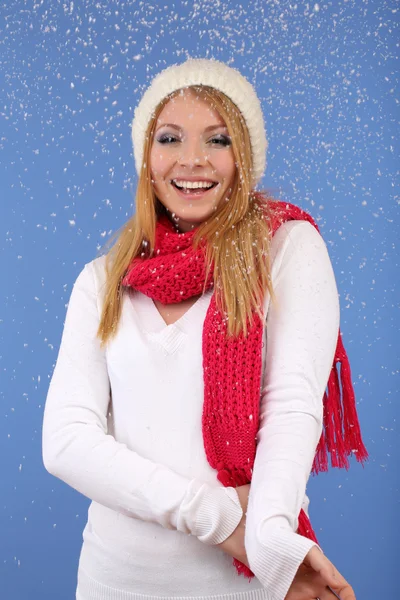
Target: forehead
185, 107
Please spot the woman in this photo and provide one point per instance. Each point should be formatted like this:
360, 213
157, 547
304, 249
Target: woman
188, 400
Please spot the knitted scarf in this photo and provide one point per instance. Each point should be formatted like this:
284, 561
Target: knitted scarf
232, 366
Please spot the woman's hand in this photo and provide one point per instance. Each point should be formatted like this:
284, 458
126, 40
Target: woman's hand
307, 585
234, 544
314, 576
327, 570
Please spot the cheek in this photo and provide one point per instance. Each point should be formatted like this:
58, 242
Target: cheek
159, 161
225, 166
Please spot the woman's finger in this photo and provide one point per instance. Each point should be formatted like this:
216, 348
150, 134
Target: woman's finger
331, 576
329, 594
344, 592
322, 565
332, 593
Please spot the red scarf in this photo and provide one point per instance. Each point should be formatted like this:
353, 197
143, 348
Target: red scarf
232, 395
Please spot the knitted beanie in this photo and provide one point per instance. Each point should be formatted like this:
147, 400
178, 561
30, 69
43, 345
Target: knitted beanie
196, 71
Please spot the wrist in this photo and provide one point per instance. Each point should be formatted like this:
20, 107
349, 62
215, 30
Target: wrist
218, 516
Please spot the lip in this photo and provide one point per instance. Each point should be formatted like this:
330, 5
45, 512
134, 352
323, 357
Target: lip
194, 196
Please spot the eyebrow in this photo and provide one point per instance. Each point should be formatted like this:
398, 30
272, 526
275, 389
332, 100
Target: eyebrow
209, 128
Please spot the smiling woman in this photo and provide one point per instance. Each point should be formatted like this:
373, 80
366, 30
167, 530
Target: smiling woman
188, 399
191, 148
194, 156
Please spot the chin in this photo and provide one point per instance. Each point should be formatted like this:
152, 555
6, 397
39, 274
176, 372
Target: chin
186, 222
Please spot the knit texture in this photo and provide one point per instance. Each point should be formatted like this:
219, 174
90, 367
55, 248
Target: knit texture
232, 366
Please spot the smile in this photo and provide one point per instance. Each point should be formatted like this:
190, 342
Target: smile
193, 192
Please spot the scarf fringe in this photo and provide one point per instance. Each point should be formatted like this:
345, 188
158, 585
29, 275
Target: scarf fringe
243, 569
342, 435
305, 528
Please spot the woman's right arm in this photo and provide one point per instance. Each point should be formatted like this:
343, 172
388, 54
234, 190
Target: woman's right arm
78, 450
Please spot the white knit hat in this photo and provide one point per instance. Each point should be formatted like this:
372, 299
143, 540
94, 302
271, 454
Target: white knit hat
216, 74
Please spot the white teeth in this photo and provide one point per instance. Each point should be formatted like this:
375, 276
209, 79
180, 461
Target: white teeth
193, 184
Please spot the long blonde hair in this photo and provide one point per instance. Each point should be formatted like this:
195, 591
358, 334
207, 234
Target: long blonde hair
237, 236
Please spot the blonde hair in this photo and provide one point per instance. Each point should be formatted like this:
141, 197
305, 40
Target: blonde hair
237, 237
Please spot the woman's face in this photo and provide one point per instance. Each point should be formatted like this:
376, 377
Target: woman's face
191, 143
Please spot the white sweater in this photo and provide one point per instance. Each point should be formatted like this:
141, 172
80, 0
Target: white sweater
123, 427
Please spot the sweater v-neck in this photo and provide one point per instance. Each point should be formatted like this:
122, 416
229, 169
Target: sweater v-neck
171, 336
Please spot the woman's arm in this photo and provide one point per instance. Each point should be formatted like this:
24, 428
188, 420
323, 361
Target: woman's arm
302, 332
78, 450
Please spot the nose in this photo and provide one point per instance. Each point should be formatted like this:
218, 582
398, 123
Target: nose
192, 153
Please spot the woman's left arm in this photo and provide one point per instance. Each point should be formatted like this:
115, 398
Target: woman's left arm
302, 331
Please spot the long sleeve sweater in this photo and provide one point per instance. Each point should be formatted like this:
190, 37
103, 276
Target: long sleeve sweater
122, 425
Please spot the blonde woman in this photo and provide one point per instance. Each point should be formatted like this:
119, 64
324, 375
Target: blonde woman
188, 399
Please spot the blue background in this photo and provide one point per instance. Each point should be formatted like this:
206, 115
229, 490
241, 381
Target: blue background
73, 73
